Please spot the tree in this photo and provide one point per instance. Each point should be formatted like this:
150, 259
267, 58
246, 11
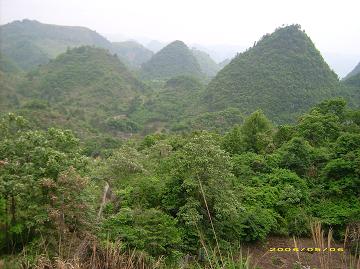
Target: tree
199, 191
33, 160
257, 133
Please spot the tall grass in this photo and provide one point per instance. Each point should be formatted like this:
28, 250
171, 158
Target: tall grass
348, 260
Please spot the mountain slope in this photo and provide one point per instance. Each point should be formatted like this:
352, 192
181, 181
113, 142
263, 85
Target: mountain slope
174, 60
9, 99
29, 43
354, 72
133, 53
85, 83
283, 74
208, 66
353, 80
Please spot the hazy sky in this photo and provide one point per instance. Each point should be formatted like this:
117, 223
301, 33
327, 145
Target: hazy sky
334, 26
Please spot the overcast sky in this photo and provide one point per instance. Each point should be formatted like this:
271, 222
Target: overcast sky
334, 26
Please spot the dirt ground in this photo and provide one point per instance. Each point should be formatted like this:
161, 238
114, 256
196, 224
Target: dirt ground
282, 252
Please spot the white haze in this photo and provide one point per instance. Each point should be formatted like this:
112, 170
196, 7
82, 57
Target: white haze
219, 26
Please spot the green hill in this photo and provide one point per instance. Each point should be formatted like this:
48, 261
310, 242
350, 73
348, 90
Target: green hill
29, 43
174, 60
87, 84
208, 66
132, 53
283, 74
354, 72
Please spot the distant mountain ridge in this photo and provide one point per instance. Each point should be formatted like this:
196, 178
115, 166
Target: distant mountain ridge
29, 43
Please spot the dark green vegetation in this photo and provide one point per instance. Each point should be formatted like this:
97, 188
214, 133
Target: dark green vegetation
182, 167
283, 74
132, 53
176, 59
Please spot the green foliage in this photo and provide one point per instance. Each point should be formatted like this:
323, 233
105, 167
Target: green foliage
233, 141
257, 133
124, 125
296, 155
219, 122
40, 189
147, 229
318, 128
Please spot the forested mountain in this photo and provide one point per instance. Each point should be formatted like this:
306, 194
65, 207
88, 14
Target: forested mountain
88, 84
283, 74
29, 43
354, 72
176, 59
132, 53
208, 66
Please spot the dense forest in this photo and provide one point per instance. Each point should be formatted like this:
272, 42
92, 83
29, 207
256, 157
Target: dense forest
112, 156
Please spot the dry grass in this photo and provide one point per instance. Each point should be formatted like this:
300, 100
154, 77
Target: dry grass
351, 239
91, 255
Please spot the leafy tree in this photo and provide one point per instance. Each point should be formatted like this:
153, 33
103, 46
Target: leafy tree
146, 229
257, 133
33, 162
